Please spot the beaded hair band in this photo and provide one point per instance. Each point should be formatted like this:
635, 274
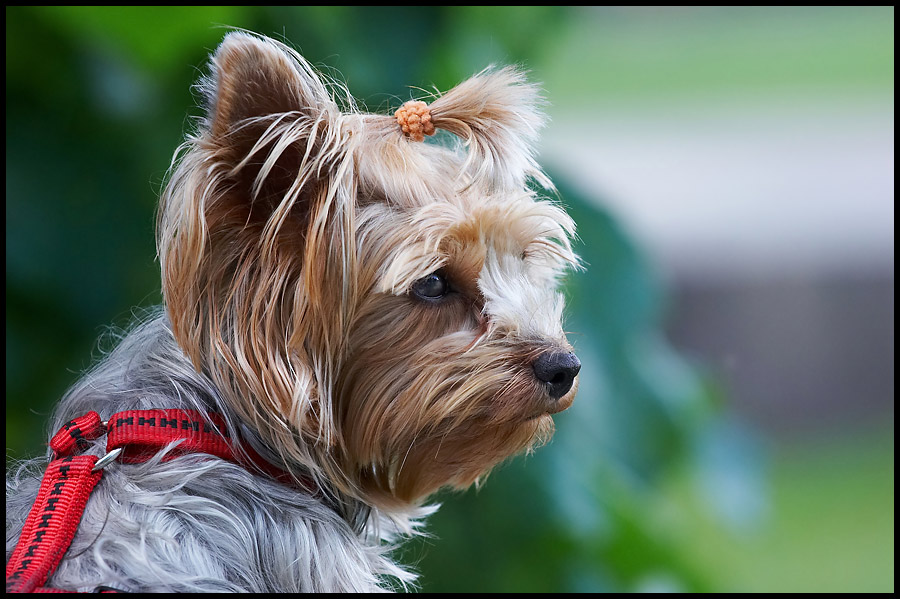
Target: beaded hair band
414, 118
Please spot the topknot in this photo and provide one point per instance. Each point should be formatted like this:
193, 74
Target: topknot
414, 118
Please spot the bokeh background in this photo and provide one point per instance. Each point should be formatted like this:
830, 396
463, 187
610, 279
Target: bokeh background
731, 173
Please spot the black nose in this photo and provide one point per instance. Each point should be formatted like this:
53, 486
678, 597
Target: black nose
557, 371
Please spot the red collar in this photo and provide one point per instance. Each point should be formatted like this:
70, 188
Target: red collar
133, 436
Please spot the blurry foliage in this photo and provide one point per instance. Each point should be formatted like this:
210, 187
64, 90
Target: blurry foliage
96, 103
675, 52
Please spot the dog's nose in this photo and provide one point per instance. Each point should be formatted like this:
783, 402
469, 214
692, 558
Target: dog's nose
557, 371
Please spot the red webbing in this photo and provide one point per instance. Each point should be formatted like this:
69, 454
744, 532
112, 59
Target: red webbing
52, 522
76, 433
68, 481
142, 433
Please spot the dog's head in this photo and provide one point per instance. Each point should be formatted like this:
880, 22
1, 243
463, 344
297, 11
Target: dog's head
383, 312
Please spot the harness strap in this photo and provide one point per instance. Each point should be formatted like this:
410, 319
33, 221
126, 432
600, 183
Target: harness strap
135, 436
74, 435
52, 522
142, 433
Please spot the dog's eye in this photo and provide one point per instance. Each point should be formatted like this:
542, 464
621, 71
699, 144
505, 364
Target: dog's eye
434, 286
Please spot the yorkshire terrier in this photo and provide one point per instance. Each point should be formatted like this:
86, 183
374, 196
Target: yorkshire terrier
365, 316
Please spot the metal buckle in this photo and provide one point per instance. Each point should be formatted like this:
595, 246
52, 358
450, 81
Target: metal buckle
107, 459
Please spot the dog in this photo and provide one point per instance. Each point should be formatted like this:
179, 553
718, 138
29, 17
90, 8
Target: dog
365, 316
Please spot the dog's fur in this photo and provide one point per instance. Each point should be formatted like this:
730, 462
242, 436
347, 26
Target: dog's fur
291, 236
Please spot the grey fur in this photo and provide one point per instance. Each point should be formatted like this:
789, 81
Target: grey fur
198, 523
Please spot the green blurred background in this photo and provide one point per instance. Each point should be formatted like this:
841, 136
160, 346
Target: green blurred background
731, 174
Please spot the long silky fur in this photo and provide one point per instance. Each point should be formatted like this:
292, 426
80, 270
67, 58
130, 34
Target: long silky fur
289, 235
194, 523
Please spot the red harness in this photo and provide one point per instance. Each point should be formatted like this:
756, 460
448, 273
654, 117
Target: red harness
133, 436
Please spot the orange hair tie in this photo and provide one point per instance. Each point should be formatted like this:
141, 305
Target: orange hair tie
414, 118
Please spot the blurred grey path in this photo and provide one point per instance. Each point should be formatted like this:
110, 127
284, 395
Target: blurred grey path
773, 224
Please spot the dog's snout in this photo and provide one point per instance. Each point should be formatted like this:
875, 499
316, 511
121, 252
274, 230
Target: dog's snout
557, 371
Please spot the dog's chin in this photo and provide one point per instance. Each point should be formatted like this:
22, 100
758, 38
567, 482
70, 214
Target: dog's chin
455, 451
541, 420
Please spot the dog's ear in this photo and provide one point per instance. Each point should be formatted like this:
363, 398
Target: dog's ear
498, 113
268, 113
253, 237
254, 77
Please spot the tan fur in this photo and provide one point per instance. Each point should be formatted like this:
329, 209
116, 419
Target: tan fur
290, 235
